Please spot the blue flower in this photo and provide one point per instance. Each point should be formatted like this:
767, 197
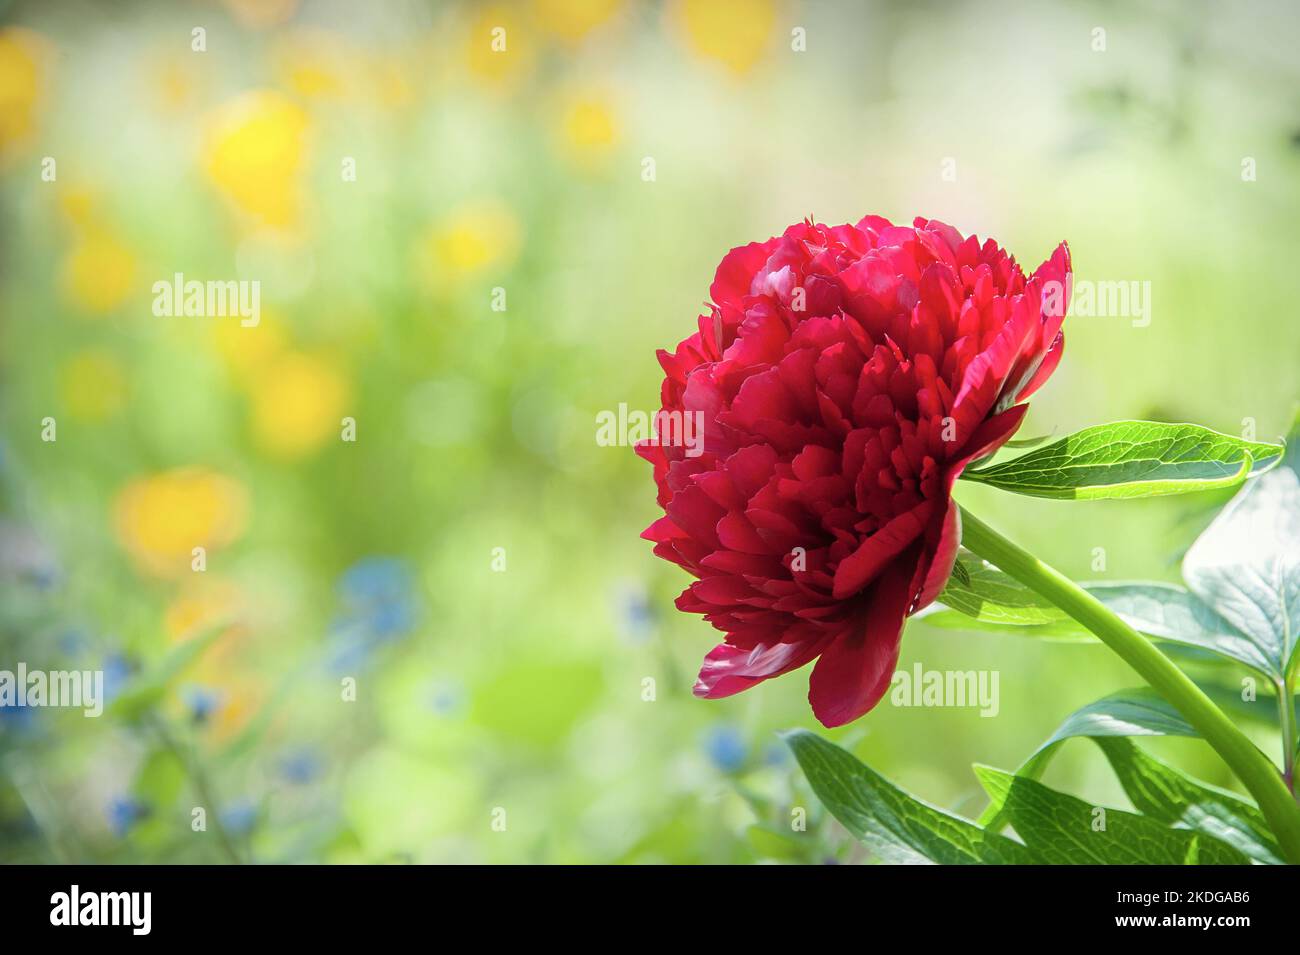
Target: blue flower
17, 719
634, 612
446, 697
201, 702
379, 594
379, 606
239, 817
73, 643
726, 748
123, 812
348, 650
300, 766
117, 674
777, 755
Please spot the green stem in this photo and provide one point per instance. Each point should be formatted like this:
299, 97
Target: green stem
202, 788
1252, 767
1286, 711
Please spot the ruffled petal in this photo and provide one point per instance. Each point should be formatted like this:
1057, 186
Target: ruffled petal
853, 673
729, 669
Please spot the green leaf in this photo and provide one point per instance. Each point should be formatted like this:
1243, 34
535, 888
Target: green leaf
960, 572
1161, 792
1027, 442
1137, 712
985, 594
1129, 459
1246, 566
1062, 631
1171, 613
1243, 573
985, 598
1059, 829
1261, 710
898, 827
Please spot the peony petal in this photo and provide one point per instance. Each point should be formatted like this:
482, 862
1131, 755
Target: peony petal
944, 556
1044, 370
736, 273
990, 436
729, 669
854, 672
858, 569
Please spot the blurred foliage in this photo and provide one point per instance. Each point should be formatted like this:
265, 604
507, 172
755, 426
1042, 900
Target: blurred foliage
515, 679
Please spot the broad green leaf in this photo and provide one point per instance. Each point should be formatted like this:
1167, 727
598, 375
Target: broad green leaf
984, 593
1243, 574
1027, 442
960, 573
1059, 829
1246, 566
985, 598
1062, 631
1137, 712
1261, 710
898, 827
1171, 613
1161, 792
1129, 459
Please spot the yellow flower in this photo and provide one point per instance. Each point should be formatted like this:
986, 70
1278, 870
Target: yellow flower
733, 32
589, 130
93, 385
499, 48
254, 154
298, 404
314, 64
393, 79
99, 271
161, 518
22, 59
472, 238
196, 610
171, 78
247, 351
571, 20
239, 704
79, 204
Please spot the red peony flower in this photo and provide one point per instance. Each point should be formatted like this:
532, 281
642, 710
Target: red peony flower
843, 376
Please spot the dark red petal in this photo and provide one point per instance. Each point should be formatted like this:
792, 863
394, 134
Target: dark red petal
879, 549
736, 273
988, 371
853, 673
1044, 370
662, 530
988, 437
729, 669
737, 533
944, 557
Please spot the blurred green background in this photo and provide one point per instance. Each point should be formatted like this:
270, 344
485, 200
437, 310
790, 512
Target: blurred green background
472, 559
